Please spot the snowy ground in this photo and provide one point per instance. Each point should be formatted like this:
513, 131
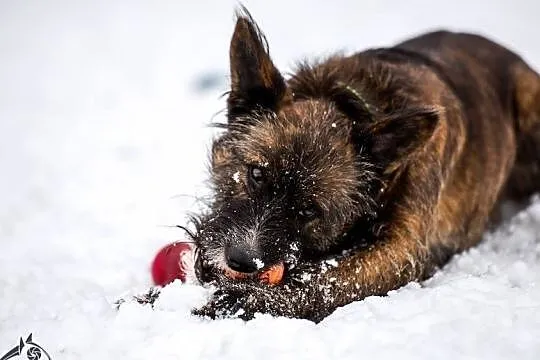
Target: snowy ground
103, 106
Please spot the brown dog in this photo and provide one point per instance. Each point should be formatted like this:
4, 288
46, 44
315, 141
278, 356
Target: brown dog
361, 173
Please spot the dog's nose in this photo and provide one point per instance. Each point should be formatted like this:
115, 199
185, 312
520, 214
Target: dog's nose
241, 260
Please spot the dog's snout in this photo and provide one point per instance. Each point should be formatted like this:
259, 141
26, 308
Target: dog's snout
241, 259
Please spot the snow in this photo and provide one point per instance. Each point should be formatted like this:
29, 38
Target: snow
259, 263
103, 147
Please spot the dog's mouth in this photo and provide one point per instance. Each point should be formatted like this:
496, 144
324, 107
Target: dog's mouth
270, 275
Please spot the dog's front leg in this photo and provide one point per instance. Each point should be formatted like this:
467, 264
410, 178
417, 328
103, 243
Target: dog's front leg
315, 290
387, 265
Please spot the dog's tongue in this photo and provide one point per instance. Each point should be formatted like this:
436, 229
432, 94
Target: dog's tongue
273, 275
270, 276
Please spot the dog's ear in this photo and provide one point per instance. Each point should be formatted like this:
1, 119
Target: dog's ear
394, 137
255, 81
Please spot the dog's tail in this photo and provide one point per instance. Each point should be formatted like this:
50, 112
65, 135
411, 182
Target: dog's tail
525, 178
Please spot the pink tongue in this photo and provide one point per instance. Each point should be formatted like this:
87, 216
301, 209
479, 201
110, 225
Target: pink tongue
235, 274
271, 276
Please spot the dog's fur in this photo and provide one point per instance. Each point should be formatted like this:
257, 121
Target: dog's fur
362, 173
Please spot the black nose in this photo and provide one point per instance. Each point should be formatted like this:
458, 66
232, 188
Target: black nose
241, 260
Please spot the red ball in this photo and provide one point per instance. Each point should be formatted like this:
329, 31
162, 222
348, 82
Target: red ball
170, 263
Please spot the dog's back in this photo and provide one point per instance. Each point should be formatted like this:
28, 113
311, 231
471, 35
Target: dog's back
476, 67
500, 99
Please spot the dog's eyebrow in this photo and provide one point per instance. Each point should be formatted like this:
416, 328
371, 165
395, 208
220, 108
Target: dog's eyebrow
247, 160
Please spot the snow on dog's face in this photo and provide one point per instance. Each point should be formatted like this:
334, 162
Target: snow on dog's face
286, 175
285, 183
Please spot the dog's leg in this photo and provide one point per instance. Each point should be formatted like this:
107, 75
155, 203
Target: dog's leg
402, 256
315, 290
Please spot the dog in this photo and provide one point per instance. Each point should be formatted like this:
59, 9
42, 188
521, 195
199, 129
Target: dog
362, 173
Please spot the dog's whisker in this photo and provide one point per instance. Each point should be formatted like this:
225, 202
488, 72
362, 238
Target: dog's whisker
187, 231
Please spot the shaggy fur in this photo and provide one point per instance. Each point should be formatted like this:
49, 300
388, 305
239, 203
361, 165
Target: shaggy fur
362, 173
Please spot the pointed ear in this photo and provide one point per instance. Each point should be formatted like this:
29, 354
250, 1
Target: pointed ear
29, 338
255, 81
395, 137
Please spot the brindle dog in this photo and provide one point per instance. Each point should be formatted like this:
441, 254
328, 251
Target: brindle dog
361, 173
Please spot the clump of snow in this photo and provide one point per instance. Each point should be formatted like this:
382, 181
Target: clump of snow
236, 177
258, 263
103, 146
331, 262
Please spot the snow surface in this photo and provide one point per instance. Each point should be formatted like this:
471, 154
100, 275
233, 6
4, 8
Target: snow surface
103, 142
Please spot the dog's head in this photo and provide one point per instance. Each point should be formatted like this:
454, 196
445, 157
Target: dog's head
291, 174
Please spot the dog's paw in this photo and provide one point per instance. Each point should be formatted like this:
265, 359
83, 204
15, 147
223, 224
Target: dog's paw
225, 303
244, 300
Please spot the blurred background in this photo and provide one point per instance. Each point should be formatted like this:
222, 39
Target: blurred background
103, 114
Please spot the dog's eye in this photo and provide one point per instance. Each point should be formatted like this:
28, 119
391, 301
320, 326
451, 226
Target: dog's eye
256, 175
308, 212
